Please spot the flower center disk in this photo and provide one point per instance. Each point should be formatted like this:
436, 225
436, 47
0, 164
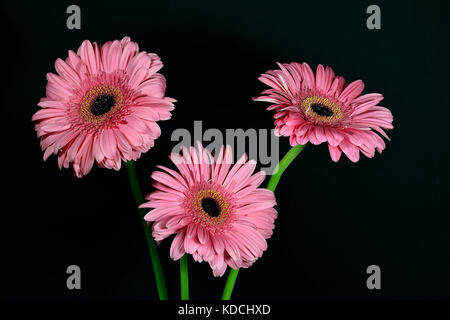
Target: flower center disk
99, 103
321, 110
102, 104
211, 207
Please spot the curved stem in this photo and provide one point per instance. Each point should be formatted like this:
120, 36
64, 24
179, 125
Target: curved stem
284, 163
273, 182
157, 268
184, 278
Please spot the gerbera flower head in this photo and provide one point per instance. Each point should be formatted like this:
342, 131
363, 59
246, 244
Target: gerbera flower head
102, 106
215, 208
321, 107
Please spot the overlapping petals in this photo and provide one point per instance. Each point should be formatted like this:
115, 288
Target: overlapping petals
321, 107
81, 130
183, 205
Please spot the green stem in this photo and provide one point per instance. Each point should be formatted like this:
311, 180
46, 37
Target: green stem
284, 163
184, 278
157, 268
229, 285
273, 182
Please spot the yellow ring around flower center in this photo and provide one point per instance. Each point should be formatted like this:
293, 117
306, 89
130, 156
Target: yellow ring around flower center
92, 95
221, 202
333, 111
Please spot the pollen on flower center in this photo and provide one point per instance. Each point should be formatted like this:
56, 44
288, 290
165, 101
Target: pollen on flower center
210, 207
102, 104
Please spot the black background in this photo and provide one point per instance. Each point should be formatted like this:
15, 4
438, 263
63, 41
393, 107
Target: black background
335, 219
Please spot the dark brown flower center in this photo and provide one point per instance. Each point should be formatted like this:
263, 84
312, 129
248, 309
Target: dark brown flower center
211, 207
102, 104
321, 110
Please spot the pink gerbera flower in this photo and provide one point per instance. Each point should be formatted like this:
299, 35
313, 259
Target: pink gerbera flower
102, 106
216, 209
321, 107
